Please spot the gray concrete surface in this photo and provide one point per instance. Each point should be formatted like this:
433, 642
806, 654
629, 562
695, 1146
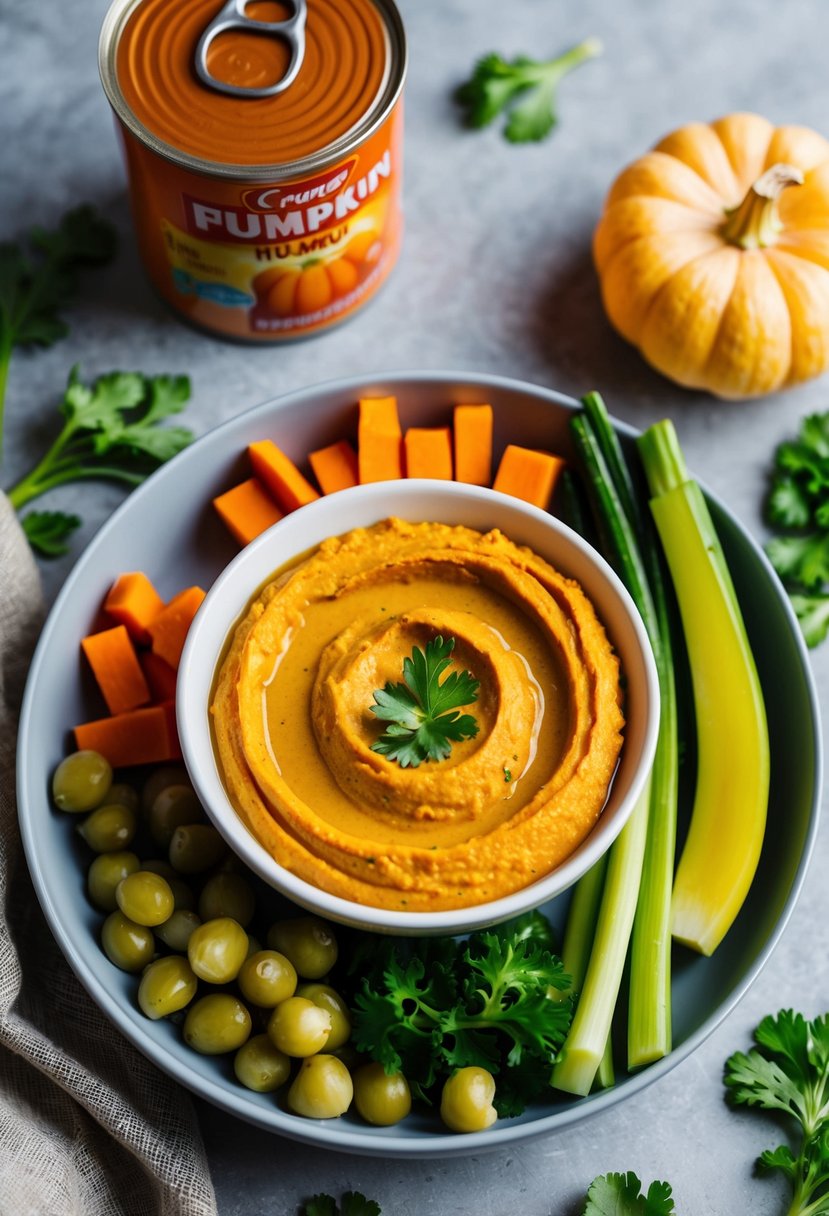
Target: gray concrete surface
495, 276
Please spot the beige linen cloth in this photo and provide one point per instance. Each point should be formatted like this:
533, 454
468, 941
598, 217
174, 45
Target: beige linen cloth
88, 1126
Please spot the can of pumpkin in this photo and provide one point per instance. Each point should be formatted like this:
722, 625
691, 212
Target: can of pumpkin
263, 145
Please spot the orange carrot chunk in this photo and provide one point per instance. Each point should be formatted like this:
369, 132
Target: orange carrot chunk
140, 736
429, 452
473, 444
379, 440
248, 510
529, 474
116, 669
280, 476
169, 708
169, 629
335, 467
160, 676
133, 601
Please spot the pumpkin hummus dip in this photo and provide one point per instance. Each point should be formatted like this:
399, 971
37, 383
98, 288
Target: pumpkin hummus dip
419, 716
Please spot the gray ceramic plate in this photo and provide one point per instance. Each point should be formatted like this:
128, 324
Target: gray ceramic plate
168, 529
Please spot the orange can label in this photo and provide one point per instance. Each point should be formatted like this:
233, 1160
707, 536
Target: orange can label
263, 252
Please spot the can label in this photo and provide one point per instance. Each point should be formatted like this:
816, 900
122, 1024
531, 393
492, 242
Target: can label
283, 259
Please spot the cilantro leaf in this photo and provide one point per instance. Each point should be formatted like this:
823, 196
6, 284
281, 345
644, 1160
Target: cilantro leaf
110, 430
621, 1195
812, 611
802, 559
788, 1071
321, 1205
788, 504
351, 1204
48, 531
798, 508
36, 285
423, 711
524, 89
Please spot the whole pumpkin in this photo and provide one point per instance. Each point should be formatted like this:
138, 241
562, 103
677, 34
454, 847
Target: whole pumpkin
713, 255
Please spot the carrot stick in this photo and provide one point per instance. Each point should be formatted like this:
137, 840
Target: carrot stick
529, 474
116, 669
139, 736
248, 510
335, 467
169, 629
160, 676
473, 444
133, 601
379, 440
429, 452
280, 476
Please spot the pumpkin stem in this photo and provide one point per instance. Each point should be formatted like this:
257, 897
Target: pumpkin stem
754, 223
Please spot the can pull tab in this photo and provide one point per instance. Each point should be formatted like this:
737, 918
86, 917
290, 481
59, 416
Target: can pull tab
231, 16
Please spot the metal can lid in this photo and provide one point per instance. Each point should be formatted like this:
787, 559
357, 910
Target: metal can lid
262, 86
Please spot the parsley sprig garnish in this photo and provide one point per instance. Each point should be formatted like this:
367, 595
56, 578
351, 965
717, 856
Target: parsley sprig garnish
110, 431
788, 1071
525, 89
423, 712
798, 507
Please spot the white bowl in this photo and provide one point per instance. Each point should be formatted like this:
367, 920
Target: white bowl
433, 501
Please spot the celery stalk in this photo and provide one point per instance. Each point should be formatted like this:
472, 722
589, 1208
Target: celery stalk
578, 943
629, 528
728, 818
587, 1039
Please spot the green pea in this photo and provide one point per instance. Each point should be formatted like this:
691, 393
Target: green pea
266, 978
167, 774
166, 986
261, 1066
128, 945
145, 898
176, 931
81, 781
104, 874
196, 847
109, 828
124, 795
217, 1023
173, 807
308, 942
329, 999
217, 949
227, 894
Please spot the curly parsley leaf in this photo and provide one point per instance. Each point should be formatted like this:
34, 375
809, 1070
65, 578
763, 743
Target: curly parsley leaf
111, 431
524, 89
423, 712
37, 283
48, 531
798, 508
621, 1195
788, 1072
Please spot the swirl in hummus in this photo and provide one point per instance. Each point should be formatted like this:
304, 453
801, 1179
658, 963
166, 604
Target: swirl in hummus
293, 725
